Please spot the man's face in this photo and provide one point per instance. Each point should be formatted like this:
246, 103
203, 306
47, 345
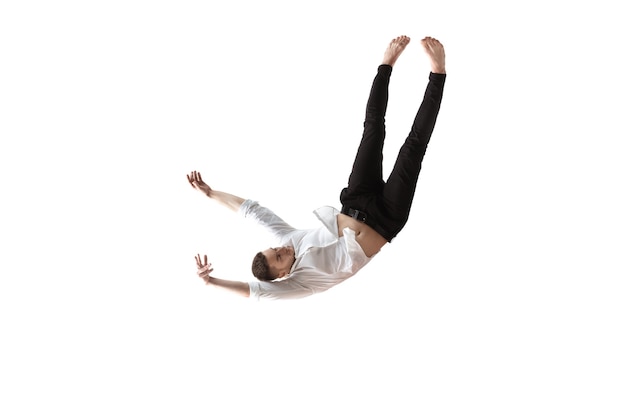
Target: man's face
280, 260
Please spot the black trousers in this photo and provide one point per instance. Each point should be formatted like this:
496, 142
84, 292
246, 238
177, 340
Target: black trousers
385, 206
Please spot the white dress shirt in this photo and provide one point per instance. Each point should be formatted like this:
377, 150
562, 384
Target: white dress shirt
323, 259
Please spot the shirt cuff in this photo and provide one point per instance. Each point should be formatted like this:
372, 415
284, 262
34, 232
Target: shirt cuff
254, 290
244, 208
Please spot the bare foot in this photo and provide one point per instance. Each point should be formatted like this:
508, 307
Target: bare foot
436, 53
395, 48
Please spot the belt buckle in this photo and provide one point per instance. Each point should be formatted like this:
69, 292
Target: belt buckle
359, 215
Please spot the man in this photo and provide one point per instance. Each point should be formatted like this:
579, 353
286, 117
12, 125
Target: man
373, 211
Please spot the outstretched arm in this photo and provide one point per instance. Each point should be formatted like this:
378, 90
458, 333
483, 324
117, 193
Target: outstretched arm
234, 287
227, 200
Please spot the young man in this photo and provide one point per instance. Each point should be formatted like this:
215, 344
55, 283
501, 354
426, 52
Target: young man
373, 211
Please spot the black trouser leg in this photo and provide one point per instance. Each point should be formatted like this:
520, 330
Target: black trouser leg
388, 204
367, 171
398, 192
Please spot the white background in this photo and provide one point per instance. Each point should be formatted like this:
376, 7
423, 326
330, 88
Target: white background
503, 296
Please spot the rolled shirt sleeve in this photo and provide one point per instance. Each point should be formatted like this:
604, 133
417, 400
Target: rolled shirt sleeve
298, 285
278, 290
266, 218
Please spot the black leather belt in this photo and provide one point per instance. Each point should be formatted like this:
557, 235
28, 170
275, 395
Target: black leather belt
363, 217
357, 214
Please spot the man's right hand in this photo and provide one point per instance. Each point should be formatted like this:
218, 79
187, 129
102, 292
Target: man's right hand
204, 268
195, 179
234, 287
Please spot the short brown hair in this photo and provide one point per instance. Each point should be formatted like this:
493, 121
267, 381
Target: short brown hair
260, 268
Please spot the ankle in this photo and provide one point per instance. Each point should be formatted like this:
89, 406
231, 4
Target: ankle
438, 69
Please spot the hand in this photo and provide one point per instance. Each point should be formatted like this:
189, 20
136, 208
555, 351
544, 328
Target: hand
195, 179
204, 268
